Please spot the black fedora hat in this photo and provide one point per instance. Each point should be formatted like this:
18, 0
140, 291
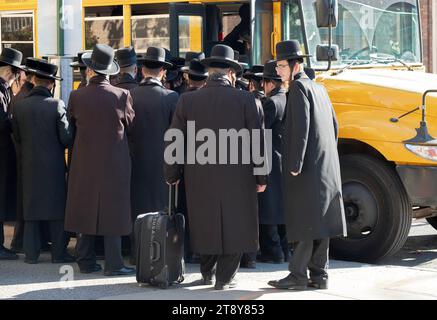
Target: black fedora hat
222, 56
30, 64
254, 73
270, 71
11, 57
289, 50
101, 60
196, 69
157, 57
178, 62
191, 55
126, 57
43, 69
77, 61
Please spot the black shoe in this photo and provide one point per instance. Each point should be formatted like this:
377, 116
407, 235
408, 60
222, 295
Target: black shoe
17, 250
289, 282
224, 286
30, 261
125, 271
96, 268
6, 254
318, 283
66, 258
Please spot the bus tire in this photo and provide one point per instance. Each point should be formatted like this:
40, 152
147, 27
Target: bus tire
433, 222
377, 208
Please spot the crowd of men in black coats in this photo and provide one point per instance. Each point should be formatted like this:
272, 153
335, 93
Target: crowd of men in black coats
114, 129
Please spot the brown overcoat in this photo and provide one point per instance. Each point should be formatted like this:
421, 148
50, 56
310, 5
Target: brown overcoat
98, 201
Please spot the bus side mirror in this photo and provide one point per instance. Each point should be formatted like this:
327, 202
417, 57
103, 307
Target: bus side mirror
327, 13
327, 53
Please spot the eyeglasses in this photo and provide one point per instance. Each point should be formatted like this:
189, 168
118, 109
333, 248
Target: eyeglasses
282, 66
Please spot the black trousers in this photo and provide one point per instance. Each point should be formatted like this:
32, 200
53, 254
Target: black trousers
18, 237
224, 266
2, 234
310, 255
32, 238
273, 240
86, 255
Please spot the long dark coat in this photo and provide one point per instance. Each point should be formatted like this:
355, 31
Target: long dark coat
125, 81
313, 199
23, 93
8, 170
222, 199
154, 106
98, 200
42, 133
271, 202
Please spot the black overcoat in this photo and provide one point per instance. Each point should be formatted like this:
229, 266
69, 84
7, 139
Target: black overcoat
221, 198
271, 203
154, 106
313, 199
42, 133
8, 166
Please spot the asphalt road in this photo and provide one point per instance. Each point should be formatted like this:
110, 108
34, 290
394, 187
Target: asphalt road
410, 274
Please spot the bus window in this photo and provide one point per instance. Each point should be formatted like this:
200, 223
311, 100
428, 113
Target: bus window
230, 21
237, 26
368, 31
292, 21
187, 28
262, 47
104, 25
17, 32
190, 34
150, 26
404, 45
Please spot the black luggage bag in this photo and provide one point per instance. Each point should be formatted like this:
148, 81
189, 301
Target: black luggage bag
159, 239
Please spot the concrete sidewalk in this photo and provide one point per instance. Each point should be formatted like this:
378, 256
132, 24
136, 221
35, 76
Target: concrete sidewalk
348, 280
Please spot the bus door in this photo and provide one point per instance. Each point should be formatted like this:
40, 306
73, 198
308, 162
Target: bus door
187, 28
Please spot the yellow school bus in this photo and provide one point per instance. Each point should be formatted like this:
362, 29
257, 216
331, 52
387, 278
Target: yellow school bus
377, 86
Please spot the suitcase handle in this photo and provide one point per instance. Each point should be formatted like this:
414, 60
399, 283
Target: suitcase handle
170, 207
156, 251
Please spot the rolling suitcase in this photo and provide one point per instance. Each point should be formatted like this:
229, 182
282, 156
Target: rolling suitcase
159, 238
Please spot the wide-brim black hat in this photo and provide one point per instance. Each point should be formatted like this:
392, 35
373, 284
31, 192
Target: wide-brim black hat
156, 56
222, 56
289, 50
190, 55
270, 71
126, 57
177, 62
196, 69
101, 60
77, 61
30, 64
43, 69
254, 72
11, 57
